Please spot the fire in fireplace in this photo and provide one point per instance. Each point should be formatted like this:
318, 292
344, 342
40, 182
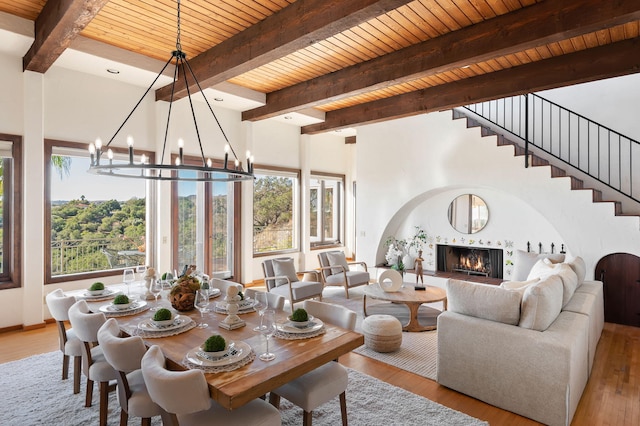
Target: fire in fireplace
470, 260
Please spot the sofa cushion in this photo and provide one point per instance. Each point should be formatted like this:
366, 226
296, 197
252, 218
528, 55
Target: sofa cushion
337, 258
541, 303
284, 268
524, 261
544, 268
484, 301
578, 266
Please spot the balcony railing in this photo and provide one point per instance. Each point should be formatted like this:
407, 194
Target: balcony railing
89, 255
266, 240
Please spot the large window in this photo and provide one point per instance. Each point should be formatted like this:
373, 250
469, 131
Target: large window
10, 210
97, 224
275, 211
325, 209
205, 226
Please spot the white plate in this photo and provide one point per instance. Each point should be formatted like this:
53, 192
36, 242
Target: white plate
106, 293
214, 292
240, 351
314, 325
295, 324
179, 321
137, 304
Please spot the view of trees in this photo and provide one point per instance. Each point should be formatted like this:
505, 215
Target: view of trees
272, 213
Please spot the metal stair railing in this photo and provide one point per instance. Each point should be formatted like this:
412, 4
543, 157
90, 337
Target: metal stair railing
596, 150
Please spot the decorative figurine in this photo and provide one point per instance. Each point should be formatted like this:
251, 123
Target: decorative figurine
417, 265
232, 321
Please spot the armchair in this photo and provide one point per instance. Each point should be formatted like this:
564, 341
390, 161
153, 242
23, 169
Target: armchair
335, 271
280, 277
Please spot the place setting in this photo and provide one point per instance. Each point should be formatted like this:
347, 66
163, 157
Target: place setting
122, 305
98, 292
217, 354
299, 325
163, 323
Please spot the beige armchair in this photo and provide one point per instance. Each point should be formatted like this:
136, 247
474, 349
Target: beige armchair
281, 277
336, 271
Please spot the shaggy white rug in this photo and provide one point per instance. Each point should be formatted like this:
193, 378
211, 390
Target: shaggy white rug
418, 352
34, 394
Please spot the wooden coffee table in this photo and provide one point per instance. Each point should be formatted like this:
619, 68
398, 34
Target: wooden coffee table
410, 297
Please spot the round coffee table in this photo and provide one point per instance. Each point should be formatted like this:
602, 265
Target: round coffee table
410, 297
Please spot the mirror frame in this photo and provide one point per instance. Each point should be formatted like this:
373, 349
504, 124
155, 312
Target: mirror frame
468, 214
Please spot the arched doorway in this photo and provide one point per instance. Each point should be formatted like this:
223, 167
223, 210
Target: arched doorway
620, 273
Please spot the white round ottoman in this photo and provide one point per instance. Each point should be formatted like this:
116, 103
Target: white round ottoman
382, 333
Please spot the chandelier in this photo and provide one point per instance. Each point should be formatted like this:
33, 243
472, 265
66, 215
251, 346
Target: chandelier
178, 170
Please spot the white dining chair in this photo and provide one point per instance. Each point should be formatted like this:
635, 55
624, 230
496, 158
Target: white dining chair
224, 284
185, 395
125, 354
59, 304
319, 386
94, 366
276, 302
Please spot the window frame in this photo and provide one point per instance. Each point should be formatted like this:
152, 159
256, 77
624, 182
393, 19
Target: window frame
297, 207
12, 220
340, 214
208, 222
49, 145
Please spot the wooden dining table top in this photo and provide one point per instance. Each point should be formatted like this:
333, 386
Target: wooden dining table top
235, 388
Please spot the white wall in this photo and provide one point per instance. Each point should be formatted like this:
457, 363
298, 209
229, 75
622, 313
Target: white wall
433, 158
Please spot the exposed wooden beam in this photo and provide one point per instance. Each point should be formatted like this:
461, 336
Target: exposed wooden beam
295, 27
607, 61
523, 29
59, 22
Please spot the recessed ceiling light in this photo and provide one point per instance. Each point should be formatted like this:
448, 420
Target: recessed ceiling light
113, 71
218, 99
466, 66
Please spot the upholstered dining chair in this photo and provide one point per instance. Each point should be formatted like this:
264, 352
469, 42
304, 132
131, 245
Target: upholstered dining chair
94, 366
336, 271
185, 395
59, 304
125, 354
319, 386
281, 278
223, 285
276, 302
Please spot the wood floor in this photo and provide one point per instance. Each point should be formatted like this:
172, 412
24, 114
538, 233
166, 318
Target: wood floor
612, 396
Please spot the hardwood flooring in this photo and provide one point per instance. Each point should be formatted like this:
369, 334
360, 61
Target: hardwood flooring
610, 398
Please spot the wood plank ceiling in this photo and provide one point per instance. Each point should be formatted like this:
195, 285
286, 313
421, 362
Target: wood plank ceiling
359, 61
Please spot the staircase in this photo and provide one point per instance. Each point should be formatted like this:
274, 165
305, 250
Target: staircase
537, 158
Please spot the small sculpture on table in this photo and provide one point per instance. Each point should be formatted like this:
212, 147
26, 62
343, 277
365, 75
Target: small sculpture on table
417, 265
149, 275
232, 321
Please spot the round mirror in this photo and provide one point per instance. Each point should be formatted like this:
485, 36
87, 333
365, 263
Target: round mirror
468, 214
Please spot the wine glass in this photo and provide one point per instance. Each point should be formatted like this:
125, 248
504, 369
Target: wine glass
261, 303
155, 288
166, 289
201, 302
267, 328
128, 277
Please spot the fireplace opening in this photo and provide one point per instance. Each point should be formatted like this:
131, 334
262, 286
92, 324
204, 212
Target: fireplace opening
480, 261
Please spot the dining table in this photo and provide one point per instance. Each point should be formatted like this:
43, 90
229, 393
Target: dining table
295, 354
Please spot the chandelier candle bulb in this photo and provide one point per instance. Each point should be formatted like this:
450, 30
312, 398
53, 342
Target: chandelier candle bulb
143, 159
180, 149
130, 143
226, 155
209, 163
98, 150
92, 151
110, 155
237, 164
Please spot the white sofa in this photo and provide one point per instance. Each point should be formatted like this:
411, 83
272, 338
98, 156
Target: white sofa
525, 346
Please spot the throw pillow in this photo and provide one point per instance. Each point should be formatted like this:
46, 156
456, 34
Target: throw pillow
524, 261
484, 301
541, 303
519, 286
578, 266
337, 258
284, 268
544, 268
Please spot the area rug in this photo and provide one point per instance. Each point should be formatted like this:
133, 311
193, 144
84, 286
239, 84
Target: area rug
33, 394
418, 352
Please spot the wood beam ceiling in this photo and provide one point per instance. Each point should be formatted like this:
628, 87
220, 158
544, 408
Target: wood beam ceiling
292, 28
57, 25
612, 60
526, 28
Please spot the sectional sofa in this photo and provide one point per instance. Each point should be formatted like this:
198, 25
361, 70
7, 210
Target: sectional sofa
525, 346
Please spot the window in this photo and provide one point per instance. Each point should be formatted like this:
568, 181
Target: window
10, 210
275, 211
325, 209
97, 224
205, 214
